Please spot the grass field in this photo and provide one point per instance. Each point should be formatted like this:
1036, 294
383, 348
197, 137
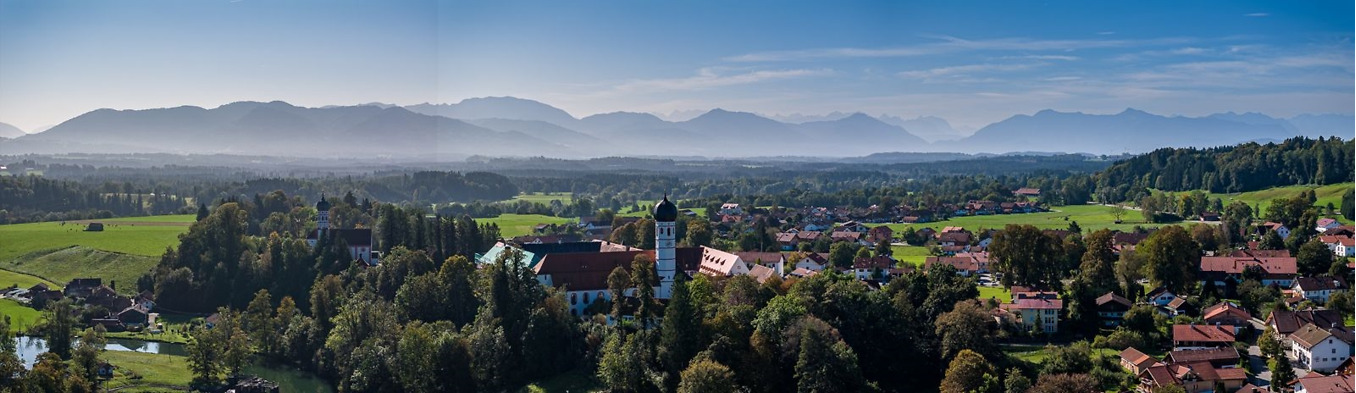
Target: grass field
915, 255
1089, 217
1002, 294
21, 317
511, 225
544, 198
58, 252
21, 280
1331, 193
1035, 354
574, 381
147, 372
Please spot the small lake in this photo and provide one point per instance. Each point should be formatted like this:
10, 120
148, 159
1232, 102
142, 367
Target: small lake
289, 379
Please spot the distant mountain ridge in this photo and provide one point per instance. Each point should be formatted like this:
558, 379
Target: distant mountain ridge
508, 126
9, 131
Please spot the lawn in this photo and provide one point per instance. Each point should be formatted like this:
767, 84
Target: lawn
1035, 354
58, 252
1002, 294
147, 372
1089, 218
1331, 193
21, 317
21, 280
914, 255
512, 225
544, 198
574, 381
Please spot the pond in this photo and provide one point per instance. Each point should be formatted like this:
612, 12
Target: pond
289, 379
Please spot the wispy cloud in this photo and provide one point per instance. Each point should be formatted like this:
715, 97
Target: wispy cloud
1044, 57
964, 70
1258, 15
707, 78
950, 44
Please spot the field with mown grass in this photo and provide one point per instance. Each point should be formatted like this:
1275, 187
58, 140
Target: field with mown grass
512, 225
21, 280
21, 317
1089, 217
147, 372
122, 252
1002, 294
1331, 193
544, 198
914, 255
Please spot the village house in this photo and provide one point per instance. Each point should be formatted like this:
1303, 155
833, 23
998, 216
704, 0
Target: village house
1226, 313
1160, 297
1319, 383
1275, 270
1318, 289
1280, 229
1034, 309
81, 287
1340, 245
1321, 349
1193, 377
880, 233
1111, 309
1135, 362
813, 261
1286, 322
1194, 336
1324, 224
966, 264
874, 268
1220, 357
731, 209
1177, 306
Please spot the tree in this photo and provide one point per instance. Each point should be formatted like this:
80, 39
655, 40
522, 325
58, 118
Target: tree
821, 367
965, 327
644, 278
617, 283
623, 365
1066, 359
1117, 212
1281, 370
58, 326
1098, 267
1341, 301
841, 255
698, 233
1064, 383
1314, 258
1016, 382
1172, 258
680, 334
707, 376
86, 356
202, 211
965, 373
883, 248
1268, 344
1349, 205
1027, 256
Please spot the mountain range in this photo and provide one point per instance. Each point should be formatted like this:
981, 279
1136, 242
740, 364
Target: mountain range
507, 126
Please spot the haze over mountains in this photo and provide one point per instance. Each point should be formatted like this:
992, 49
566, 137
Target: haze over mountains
506, 126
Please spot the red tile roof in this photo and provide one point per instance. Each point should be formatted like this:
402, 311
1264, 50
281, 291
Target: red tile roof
1203, 333
1236, 265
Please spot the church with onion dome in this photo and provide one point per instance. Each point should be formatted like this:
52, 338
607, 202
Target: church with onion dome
359, 241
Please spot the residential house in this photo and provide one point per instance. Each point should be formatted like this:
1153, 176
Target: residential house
813, 262
1226, 313
803, 272
1250, 388
1160, 296
773, 260
1274, 270
1286, 322
731, 209
1194, 336
135, 317
1111, 309
1027, 192
966, 264
1136, 362
1318, 288
1341, 246
762, 273
874, 268
1280, 229
1324, 224
1209, 216
1036, 313
1321, 349
1221, 357
1193, 377
1319, 383
1178, 306
82, 287
852, 226
846, 236
787, 240
877, 234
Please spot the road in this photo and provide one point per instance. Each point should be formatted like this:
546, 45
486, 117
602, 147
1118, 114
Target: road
1258, 364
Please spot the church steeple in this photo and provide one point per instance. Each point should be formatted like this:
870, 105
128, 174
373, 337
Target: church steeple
322, 214
665, 215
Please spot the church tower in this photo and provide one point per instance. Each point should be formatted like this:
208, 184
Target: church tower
665, 216
322, 214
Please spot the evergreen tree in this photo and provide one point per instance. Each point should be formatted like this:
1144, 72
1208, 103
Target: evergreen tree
680, 335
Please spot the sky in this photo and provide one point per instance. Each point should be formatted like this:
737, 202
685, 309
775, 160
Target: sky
970, 62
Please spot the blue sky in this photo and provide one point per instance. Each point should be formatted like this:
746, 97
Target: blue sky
970, 62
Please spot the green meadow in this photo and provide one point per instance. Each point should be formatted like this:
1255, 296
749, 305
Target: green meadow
58, 252
21, 280
544, 198
21, 317
1331, 193
147, 372
512, 225
1089, 217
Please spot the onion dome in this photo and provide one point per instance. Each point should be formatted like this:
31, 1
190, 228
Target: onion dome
665, 211
323, 205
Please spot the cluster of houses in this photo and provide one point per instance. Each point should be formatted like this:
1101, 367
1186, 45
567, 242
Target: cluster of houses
124, 313
1203, 355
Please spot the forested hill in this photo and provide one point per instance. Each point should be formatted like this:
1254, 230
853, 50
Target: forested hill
1245, 167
